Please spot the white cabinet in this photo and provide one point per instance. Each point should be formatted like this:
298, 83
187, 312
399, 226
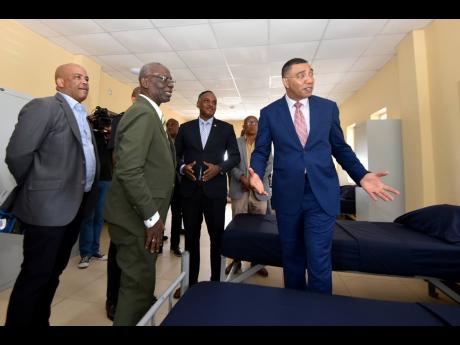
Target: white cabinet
10, 259
378, 145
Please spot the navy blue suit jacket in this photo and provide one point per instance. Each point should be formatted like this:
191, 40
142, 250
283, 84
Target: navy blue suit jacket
291, 160
189, 148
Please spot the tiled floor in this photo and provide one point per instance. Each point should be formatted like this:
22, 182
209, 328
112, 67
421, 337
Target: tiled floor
80, 298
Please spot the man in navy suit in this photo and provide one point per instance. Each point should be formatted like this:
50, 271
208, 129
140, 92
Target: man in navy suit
200, 148
305, 132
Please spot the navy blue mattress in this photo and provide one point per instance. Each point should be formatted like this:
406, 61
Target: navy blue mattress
221, 304
372, 247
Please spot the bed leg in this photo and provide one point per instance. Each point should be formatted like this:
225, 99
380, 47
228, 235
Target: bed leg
432, 290
222, 268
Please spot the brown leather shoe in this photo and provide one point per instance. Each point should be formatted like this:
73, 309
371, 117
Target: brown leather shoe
177, 294
263, 272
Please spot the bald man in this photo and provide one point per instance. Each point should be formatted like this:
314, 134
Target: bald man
51, 155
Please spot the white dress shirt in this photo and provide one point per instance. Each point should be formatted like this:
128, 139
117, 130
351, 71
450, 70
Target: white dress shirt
153, 219
305, 109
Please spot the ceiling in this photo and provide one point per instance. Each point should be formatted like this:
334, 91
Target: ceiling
239, 59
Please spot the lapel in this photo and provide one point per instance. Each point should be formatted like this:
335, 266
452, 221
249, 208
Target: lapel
212, 132
70, 118
157, 120
173, 149
286, 119
243, 153
314, 119
196, 129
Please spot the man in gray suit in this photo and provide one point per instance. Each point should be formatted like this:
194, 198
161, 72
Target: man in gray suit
51, 155
244, 199
139, 197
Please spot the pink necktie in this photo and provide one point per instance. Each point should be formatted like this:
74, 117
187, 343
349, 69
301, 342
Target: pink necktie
299, 124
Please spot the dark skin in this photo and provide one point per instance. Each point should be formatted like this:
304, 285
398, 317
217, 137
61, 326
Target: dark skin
207, 104
172, 127
250, 126
160, 92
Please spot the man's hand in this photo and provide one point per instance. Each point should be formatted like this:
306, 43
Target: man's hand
255, 182
154, 237
211, 171
189, 172
372, 184
245, 183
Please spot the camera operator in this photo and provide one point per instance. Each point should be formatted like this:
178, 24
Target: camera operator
91, 226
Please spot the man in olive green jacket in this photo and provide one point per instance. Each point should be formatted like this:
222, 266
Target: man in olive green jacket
140, 194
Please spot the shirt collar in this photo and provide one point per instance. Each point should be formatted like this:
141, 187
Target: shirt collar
207, 121
154, 105
291, 102
72, 102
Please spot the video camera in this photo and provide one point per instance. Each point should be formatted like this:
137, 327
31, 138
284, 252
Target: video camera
101, 119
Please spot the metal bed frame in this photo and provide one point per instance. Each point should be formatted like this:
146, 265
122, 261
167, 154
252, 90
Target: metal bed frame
182, 280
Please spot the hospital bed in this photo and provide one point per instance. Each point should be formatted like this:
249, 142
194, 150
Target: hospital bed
366, 247
230, 304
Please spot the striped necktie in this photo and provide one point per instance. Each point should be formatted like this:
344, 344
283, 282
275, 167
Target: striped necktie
300, 125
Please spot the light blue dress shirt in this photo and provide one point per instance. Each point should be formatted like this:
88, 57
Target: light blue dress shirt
80, 114
205, 129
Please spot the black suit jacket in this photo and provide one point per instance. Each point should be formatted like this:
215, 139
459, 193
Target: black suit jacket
188, 149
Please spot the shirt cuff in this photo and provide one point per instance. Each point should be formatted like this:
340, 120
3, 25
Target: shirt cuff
152, 220
181, 170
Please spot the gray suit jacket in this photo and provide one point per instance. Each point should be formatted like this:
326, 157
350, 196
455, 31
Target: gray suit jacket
46, 158
235, 188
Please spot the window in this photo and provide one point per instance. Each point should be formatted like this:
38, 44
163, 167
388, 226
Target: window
344, 178
380, 114
351, 135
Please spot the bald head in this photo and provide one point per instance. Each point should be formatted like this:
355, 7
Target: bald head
135, 93
65, 69
72, 80
150, 68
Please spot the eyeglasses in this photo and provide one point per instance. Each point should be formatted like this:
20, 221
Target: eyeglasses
164, 79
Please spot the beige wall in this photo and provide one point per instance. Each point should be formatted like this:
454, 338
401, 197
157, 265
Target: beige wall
443, 47
421, 86
114, 93
237, 126
28, 62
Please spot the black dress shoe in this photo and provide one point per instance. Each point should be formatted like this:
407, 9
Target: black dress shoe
110, 308
165, 238
176, 251
233, 263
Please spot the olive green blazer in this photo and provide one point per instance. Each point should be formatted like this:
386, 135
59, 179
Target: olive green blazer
143, 178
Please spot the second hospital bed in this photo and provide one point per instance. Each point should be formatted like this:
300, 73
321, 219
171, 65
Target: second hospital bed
358, 246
